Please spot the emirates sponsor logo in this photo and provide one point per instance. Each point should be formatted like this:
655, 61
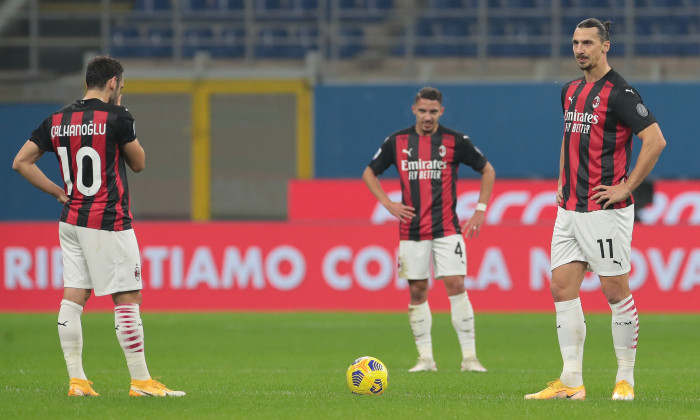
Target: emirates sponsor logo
420, 164
581, 117
423, 169
580, 122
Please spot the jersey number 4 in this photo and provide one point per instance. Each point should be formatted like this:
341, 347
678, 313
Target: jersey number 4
83, 153
458, 249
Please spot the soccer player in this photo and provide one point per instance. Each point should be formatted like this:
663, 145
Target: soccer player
427, 156
593, 229
93, 138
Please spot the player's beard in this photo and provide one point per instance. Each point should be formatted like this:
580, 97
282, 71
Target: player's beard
113, 98
586, 66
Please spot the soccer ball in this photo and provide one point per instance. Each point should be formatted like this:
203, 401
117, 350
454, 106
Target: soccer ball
367, 376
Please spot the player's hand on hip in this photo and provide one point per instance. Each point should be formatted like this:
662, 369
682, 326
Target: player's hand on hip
401, 211
610, 194
560, 196
63, 198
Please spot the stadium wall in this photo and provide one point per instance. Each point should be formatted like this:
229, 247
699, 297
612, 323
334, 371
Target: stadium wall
518, 126
337, 130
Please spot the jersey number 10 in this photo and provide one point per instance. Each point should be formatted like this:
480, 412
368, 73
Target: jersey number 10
83, 152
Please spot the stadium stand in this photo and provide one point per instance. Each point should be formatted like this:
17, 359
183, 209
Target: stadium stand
349, 29
441, 28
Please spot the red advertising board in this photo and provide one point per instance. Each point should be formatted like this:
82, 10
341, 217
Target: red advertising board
518, 202
338, 266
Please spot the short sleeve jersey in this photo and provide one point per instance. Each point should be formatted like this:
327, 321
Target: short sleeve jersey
86, 137
599, 119
427, 167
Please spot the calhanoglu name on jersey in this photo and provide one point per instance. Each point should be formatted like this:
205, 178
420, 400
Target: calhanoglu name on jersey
78, 130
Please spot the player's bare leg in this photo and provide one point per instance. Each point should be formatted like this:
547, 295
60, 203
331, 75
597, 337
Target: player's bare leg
421, 323
625, 331
463, 322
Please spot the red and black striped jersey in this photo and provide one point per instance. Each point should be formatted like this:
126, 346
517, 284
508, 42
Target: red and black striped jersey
599, 119
427, 167
86, 136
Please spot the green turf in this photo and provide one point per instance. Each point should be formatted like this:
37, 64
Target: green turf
292, 366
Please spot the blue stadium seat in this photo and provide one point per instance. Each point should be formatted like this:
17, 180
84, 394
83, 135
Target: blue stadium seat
291, 10
498, 4
124, 42
272, 43
261, 5
305, 4
427, 26
301, 40
160, 42
690, 50
234, 4
231, 44
349, 4
351, 42
152, 5
201, 4
665, 4
444, 4
458, 26
520, 36
568, 24
380, 4
308, 38
442, 37
645, 25
589, 4
453, 4
197, 39
661, 32
520, 3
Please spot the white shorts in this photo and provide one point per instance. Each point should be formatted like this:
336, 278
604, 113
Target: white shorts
106, 262
449, 257
601, 238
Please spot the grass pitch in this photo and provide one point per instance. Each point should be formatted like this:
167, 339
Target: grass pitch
292, 366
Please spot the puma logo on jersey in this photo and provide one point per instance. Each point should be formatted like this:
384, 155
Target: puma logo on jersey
571, 99
618, 263
629, 90
63, 324
408, 152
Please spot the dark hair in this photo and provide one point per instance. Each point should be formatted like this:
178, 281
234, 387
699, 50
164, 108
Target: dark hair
603, 27
100, 69
429, 93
